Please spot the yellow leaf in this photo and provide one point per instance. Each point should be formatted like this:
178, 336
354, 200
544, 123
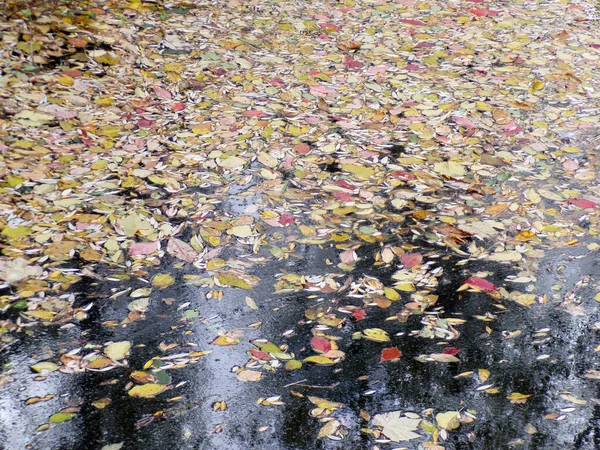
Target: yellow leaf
163, 280
448, 420
319, 360
484, 374
376, 334
536, 86
216, 263
43, 315
104, 101
117, 350
66, 81
241, 231
251, 303
518, 398
146, 390
239, 280
226, 340
391, 294
359, 170
44, 366
450, 169
324, 403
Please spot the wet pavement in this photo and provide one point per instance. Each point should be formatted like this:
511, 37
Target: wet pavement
543, 351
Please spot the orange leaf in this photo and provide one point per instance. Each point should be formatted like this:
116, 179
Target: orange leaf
390, 354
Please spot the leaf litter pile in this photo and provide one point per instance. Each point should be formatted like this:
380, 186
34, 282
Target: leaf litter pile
147, 146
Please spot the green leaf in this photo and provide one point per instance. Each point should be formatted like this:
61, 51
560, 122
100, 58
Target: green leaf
293, 364
61, 417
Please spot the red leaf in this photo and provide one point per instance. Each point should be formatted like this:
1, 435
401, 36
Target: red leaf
260, 354
344, 184
302, 149
464, 122
481, 284
415, 22
359, 314
343, 196
482, 12
450, 351
329, 26
352, 63
286, 219
404, 176
390, 354
74, 73
144, 123
178, 106
582, 203
321, 344
512, 128
411, 260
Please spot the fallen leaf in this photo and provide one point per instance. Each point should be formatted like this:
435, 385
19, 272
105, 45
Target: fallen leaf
448, 420
390, 354
149, 390
397, 428
117, 350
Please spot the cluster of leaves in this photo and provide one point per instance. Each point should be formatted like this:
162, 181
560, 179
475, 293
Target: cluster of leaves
131, 134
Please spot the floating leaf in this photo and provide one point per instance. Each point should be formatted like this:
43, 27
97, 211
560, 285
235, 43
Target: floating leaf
376, 334
450, 169
241, 231
117, 350
397, 428
319, 360
443, 357
293, 364
321, 344
229, 338
390, 354
582, 203
517, 398
146, 390
117, 446
163, 280
237, 279
481, 284
61, 417
448, 420
249, 375
44, 366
